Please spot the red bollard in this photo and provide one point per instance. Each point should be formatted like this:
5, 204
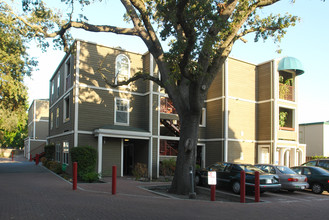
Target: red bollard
114, 180
37, 159
75, 175
213, 193
30, 157
257, 189
242, 186
12, 156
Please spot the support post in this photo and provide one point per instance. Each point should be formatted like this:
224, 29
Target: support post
30, 157
257, 189
37, 159
12, 155
242, 186
192, 194
114, 180
213, 193
75, 175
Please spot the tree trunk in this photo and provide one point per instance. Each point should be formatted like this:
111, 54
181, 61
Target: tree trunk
186, 157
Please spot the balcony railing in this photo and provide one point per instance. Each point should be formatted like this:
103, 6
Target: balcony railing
286, 92
167, 106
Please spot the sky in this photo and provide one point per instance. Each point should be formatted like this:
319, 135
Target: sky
307, 41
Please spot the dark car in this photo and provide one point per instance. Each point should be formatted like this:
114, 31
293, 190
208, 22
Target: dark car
228, 174
317, 177
289, 179
324, 163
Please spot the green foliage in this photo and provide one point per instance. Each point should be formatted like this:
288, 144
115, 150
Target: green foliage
282, 118
167, 167
50, 152
54, 166
90, 177
86, 157
319, 157
140, 171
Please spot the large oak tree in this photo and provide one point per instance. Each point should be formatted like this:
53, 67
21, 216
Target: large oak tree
201, 35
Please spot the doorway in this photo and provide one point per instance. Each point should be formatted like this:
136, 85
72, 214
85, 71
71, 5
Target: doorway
128, 158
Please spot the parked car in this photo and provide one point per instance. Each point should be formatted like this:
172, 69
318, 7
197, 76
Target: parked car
228, 174
289, 179
317, 177
324, 163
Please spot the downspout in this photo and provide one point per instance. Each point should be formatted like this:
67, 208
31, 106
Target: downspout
150, 119
76, 98
34, 111
275, 110
226, 111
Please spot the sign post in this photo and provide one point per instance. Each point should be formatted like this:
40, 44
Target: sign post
212, 181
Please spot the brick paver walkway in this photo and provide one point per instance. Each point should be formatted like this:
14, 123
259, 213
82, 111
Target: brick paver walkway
28, 191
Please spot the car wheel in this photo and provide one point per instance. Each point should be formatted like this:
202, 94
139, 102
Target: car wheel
236, 187
197, 180
317, 188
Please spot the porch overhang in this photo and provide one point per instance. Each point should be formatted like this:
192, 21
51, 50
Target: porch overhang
291, 63
118, 131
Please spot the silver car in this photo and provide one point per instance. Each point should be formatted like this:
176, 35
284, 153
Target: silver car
289, 179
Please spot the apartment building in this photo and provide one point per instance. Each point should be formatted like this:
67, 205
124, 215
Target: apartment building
138, 124
38, 116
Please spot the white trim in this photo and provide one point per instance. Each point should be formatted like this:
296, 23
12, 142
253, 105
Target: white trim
121, 164
225, 153
65, 72
60, 135
34, 114
203, 118
214, 99
100, 153
115, 110
113, 90
76, 97
150, 154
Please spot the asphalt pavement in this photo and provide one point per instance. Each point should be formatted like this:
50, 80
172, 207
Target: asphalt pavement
28, 191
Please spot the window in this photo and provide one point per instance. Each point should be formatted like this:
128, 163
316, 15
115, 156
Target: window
52, 90
286, 119
122, 68
203, 118
66, 152
68, 82
66, 108
51, 120
121, 111
57, 117
58, 83
58, 152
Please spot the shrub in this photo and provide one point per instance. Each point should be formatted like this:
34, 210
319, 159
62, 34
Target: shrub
86, 157
55, 167
140, 171
90, 177
43, 160
167, 167
50, 152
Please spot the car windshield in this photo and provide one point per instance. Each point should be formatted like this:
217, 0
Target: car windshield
285, 170
250, 168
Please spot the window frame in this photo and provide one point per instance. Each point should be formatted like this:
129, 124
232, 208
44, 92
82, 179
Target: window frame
57, 117
67, 74
115, 110
66, 108
58, 83
51, 120
58, 152
66, 151
117, 60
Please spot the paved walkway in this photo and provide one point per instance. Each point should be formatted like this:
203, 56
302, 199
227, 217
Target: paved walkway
28, 191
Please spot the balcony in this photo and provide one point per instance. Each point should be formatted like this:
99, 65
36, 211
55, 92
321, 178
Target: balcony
167, 106
286, 92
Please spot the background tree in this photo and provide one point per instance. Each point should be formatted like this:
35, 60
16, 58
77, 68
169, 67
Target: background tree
14, 65
201, 35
